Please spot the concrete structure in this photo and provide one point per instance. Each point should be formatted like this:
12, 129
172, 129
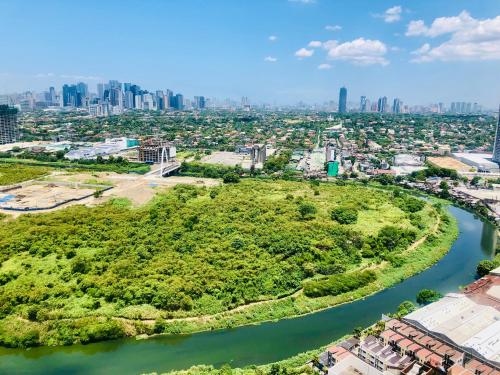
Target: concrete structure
8, 125
469, 320
155, 151
258, 154
482, 162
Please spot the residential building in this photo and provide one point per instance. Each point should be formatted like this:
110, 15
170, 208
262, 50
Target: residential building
8, 125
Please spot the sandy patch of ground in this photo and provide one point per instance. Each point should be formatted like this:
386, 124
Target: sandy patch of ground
137, 188
450, 163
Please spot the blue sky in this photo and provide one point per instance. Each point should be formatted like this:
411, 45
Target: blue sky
222, 48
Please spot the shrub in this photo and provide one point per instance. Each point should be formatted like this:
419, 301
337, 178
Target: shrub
231, 178
426, 296
338, 284
307, 210
345, 215
485, 267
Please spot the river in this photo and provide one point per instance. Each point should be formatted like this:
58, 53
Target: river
266, 342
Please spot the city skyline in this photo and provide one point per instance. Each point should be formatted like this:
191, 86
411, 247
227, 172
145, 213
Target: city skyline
416, 51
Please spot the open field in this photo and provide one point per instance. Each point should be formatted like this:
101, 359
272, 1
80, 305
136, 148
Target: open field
229, 159
449, 163
198, 258
42, 195
137, 189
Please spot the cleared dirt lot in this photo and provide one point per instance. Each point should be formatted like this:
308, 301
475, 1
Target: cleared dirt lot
450, 163
138, 189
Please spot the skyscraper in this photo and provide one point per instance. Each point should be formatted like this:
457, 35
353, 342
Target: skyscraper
343, 100
69, 96
396, 106
362, 104
496, 147
8, 124
382, 104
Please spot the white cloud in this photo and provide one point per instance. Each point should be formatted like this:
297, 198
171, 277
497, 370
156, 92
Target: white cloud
44, 75
270, 59
333, 27
303, 1
470, 39
315, 44
324, 66
393, 14
273, 38
80, 77
304, 52
360, 51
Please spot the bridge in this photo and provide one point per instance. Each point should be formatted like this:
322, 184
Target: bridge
166, 169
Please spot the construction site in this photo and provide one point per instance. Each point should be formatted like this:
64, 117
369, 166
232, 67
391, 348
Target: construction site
45, 195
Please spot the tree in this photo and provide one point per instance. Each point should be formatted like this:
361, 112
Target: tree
426, 296
405, 308
307, 210
231, 178
344, 215
485, 267
475, 181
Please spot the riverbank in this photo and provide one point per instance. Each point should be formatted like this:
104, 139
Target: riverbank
424, 253
265, 343
432, 242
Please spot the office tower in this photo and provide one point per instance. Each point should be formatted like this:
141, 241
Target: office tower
343, 100
127, 86
468, 108
382, 104
363, 104
116, 97
81, 94
138, 101
8, 125
396, 106
199, 102
496, 147
160, 101
169, 103
69, 96
179, 101
148, 102
244, 101
113, 84
129, 99
100, 90
52, 95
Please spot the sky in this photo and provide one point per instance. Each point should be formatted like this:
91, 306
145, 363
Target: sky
275, 51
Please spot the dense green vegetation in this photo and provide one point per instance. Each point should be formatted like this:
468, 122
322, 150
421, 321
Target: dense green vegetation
118, 165
198, 169
338, 284
426, 296
12, 174
193, 251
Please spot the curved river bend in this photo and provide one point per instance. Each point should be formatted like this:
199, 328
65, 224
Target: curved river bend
264, 343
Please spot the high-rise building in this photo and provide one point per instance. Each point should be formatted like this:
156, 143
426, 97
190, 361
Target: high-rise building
100, 90
343, 100
113, 84
363, 104
496, 147
129, 99
8, 124
396, 106
382, 104
52, 95
69, 94
179, 101
199, 102
116, 97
